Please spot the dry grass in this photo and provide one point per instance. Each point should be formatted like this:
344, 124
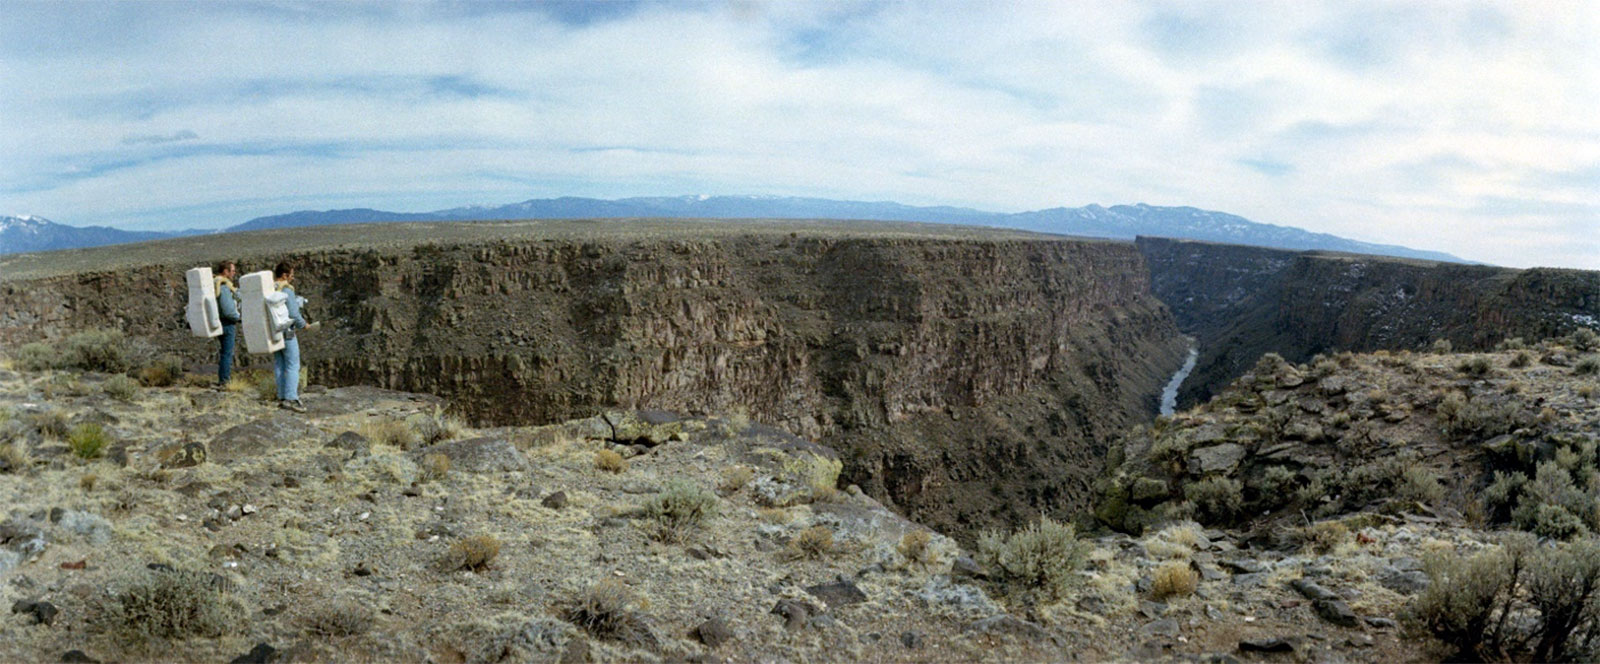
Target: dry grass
810, 544
733, 478
339, 619
120, 387
473, 553
433, 467
390, 431
1174, 579
607, 611
914, 547
14, 457
88, 441
610, 461
1323, 537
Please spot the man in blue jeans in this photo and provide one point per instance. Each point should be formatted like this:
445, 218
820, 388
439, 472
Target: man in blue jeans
228, 311
286, 362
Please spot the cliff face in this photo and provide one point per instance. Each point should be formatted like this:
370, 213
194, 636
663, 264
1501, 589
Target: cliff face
1240, 302
966, 381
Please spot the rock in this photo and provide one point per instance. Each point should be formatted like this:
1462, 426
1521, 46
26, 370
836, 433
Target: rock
1312, 591
1382, 623
261, 654
1334, 385
1243, 565
576, 652
838, 593
795, 612
1273, 644
1336, 611
260, 436
488, 454
1359, 641
1209, 573
1167, 627
1222, 458
354, 443
1007, 625
187, 455
78, 657
1404, 582
965, 566
1250, 580
555, 500
912, 640
43, 613
1147, 488
1208, 433
713, 632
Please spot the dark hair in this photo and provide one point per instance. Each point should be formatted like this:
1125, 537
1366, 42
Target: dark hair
282, 269
222, 266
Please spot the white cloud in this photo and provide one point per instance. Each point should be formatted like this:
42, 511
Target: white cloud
1462, 127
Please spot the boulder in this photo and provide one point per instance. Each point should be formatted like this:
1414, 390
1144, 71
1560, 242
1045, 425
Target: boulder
489, 454
1222, 458
259, 437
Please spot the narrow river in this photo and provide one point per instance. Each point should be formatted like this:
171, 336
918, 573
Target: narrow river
1169, 394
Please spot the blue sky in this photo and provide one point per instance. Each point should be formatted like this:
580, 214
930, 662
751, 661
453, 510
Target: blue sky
1472, 128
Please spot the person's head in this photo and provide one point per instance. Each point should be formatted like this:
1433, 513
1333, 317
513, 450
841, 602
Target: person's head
283, 271
227, 269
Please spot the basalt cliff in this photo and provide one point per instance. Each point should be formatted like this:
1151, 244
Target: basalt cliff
967, 377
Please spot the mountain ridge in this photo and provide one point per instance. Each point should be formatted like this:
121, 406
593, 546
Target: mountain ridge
1117, 221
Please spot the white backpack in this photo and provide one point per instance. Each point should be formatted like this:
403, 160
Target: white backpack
204, 321
261, 333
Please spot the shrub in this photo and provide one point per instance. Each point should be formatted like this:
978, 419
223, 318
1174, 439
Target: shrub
341, 618
163, 372
266, 386
1516, 602
678, 508
433, 467
1587, 390
1420, 484
734, 478
389, 431
1323, 537
1217, 499
173, 604
1441, 346
610, 461
435, 427
606, 611
88, 441
14, 457
1587, 366
96, 350
1476, 367
914, 546
1584, 339
120, 387
1521, 359
1513, 343
472, 553
37, 356
810, 544
1041, 559
49, 423
1484, 417
1174, 578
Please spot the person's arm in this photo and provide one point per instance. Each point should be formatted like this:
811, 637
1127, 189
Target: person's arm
227, 306
298, 321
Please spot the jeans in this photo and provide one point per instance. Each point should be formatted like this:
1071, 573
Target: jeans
286, 368
230, 336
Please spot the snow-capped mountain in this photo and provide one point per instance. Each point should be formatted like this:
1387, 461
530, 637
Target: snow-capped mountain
1120, 221
25, 233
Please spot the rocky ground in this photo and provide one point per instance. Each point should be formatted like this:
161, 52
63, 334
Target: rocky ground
375, 528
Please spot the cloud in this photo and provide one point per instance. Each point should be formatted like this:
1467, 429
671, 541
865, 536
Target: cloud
157, 139
1463, 127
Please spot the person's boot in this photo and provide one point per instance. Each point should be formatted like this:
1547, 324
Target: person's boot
295, 405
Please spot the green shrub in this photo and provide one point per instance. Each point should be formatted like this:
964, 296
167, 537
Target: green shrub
1217, 499
1584, 339
96, 350
37, 356
1441, 346
1518, 602
88, 441
120, 387
1587, 366
678, 508
173, 604
266, 385
1500, 497
1482, 417
1521, 359
1513, 343
1421, 484
164, 371
1476, 367
1041, 560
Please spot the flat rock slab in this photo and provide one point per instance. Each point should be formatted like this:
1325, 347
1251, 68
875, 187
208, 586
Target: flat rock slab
259, 437
839, 593
489, 454
1216, 459
342, 400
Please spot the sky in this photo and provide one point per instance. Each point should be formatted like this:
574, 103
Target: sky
1471, 128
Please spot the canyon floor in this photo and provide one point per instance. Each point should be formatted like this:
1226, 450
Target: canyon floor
374, 527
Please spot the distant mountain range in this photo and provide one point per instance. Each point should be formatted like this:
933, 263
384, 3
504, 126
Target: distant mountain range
20, 234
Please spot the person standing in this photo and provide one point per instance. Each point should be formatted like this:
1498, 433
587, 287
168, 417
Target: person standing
286, 362
228, 311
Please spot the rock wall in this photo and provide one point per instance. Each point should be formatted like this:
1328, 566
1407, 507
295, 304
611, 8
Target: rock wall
967, 382
1240, 302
